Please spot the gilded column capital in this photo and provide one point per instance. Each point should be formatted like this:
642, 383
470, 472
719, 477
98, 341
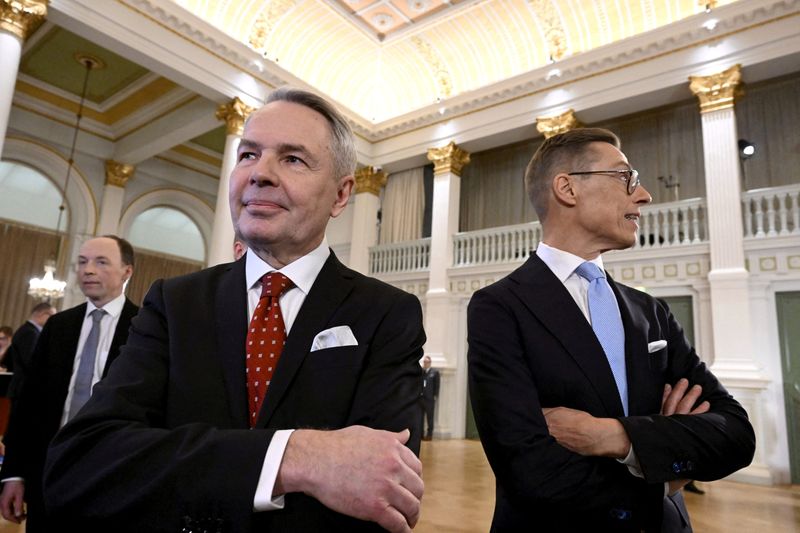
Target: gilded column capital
717, 91
117, 173
22, 17
370, 179
448, 158
234, 113
549, 126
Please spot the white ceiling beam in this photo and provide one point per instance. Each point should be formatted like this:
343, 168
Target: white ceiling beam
183, 124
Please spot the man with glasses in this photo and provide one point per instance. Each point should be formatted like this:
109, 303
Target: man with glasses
592, 407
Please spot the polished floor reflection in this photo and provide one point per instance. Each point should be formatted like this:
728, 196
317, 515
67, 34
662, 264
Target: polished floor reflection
459, 497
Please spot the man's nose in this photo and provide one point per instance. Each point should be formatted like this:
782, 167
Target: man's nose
264, 172
641, 195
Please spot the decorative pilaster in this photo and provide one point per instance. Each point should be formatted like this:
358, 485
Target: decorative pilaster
18, 20
549, 126
442, 317
366, 205
117, 176
734, 359
234, 114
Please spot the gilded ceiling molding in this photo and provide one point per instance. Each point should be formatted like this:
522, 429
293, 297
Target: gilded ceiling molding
444, 81
234, 114
22, 17
266, 21
549, 126
370, 179
553, 28
717, 91
448, 158
117, 173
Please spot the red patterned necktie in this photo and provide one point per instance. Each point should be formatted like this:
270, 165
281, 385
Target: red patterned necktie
265, 340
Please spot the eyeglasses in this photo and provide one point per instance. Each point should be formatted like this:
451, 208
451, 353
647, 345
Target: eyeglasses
629, 176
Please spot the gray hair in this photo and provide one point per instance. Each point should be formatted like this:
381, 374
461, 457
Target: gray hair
342, 145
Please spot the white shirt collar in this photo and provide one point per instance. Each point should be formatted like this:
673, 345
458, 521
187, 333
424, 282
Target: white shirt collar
113, 308
563, 264
302, 271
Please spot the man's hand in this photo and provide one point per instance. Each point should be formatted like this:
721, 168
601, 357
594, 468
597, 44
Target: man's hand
680, 400
11, 501
358, 471
582, 433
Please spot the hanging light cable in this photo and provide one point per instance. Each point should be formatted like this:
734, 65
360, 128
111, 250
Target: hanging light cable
48, 287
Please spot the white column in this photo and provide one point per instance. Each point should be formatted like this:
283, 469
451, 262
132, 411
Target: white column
117, 176
443, 321
365, 216
220, 249
18, 20
735, 361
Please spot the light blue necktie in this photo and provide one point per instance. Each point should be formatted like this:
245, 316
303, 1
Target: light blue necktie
607, 324
83, 380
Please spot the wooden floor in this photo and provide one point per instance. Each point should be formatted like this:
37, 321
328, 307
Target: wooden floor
459, 497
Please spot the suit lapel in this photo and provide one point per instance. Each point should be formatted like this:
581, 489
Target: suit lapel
330, 288
231, 322
120, 333
65, 359
643, 394
547, 298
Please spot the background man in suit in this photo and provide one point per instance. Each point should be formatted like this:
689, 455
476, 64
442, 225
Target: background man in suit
72, 353
193, 431
19, 354
430, 392
592, 407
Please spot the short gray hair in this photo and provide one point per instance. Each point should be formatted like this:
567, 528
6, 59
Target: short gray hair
342, 145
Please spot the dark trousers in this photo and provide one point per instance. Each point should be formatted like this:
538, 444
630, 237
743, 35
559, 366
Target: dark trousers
428, 405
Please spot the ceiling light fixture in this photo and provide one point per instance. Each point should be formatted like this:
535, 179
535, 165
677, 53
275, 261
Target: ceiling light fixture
48, 287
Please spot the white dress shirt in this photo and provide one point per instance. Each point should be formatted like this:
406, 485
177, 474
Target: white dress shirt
303, 272
108, 325
563, 265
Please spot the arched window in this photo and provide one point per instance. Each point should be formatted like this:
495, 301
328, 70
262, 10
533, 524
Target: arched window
168, 231
29, 197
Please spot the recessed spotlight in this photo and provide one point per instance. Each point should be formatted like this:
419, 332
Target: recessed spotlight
553, 73
710, 24
442, 110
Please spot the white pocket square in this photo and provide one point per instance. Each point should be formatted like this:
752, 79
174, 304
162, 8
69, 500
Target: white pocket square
656, 346
334, 337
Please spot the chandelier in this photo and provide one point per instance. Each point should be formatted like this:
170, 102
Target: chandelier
48, 287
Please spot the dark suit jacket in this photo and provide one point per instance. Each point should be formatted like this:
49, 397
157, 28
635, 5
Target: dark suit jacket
19, 355
531, 347
40, 404
164, 441
430, 384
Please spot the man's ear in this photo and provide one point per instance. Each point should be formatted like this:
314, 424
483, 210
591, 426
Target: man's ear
564, 190
343, 192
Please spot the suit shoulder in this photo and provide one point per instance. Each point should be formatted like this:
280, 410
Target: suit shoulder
373, 285
199, 278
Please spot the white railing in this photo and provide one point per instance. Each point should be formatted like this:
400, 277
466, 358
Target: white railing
408, 256
673, 224
771, 212
504, 244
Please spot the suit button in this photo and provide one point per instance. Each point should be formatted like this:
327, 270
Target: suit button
676, 467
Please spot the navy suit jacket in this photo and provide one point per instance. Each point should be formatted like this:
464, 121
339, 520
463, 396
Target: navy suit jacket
530, 347
164, 442
37, 411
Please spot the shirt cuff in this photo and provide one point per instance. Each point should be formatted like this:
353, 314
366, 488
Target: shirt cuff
264, 500
12, 479
632, 462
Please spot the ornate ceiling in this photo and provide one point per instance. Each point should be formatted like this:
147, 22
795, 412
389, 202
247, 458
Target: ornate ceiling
430, 50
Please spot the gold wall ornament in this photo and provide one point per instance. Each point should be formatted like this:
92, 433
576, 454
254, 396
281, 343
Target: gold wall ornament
370, 179
117, 173
266, 20
549, 126
444, 81
554, 31
234, 114
448, 158
22, 17
717, 91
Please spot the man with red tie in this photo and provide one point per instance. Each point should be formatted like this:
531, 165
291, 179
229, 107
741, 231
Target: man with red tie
276, 393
